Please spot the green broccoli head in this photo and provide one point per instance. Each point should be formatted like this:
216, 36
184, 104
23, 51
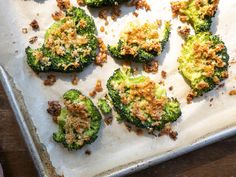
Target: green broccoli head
99, 3
196, 12
79, 121
104, 106
70, 44
203, 62
141, 43
140, 101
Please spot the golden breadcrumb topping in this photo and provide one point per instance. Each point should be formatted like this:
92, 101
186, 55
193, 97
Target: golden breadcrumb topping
203, 7
77, 120
207, 59
143, 36
142, 100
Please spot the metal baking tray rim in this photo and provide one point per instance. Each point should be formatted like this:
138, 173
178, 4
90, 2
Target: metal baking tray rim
118, 171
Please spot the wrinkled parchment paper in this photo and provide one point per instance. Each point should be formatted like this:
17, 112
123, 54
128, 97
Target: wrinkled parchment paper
115, 145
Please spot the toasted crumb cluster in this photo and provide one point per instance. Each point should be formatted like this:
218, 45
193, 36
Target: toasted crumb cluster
140, 4
63, 4
151, 67
101, 58
51, 79
54, 108
58, 15
197, 12
34, 24
98, 88
75, 80
232, 92
183, 31
167, 130
33, 39
114, 12
80, 2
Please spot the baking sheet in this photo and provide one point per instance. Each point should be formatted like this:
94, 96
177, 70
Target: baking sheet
115, 145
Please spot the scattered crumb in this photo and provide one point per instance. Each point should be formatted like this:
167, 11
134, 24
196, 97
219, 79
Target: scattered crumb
115, 12
163, 74
102, 29
139, 132
98, 88
151, 67
190, 97
232, 92
33, 39
34, 24
16, 51
54, 109
93, 93
88, 152
183, 31
139, 4
51, 79
106, 23
102, 55
135, 14
211, 99
167, 130
171, 88
81, 2
210, 105
58, 15
108, 120
75, 80
128, 126
24, 30
63, 4
102, 14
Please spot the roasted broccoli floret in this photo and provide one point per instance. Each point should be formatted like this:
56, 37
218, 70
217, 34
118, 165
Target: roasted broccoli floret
79, 121
141, 43
141, 101
70, 44
104, 106
203, 62
196, 12
98, 3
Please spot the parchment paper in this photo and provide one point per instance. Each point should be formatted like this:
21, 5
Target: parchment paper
115, 145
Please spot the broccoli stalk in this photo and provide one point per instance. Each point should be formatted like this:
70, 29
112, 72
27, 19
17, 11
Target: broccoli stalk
70, 44
140, 45
79, 121
203, 62
104, 106
140, 101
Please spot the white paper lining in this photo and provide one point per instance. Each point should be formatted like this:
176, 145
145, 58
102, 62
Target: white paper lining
115, 145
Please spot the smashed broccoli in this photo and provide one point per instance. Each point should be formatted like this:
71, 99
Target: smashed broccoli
79, 121
196, 12
140, 101
98, 3
141, 43
70, 44
104, 106
203, 62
